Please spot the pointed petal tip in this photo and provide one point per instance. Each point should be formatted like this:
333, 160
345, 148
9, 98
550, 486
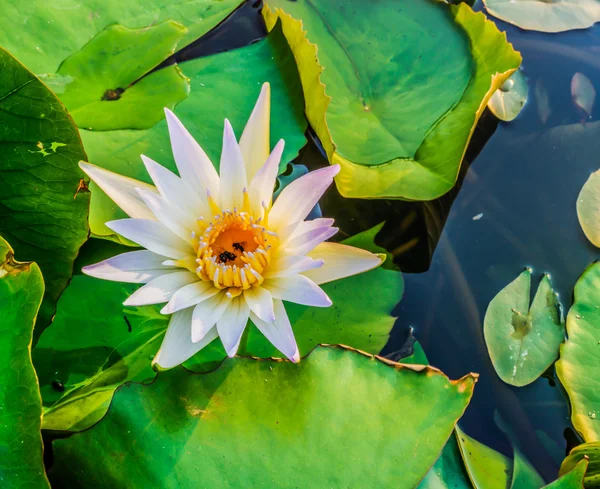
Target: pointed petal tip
295, 357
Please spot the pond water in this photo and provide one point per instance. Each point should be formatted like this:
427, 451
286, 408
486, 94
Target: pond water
514, 207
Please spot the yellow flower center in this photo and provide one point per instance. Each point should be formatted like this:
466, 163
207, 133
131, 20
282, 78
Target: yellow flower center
233, 251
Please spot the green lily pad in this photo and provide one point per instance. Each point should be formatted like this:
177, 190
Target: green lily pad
225, 85
270, 424
96, 344
97, 86
546, 15
523, 342
21, 291
583, 461
42, 212
46, 33
394, 91
506, 102
574, 479
588, 208
578, 367
487, 468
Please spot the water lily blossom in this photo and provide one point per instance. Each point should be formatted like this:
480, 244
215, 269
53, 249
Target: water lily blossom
218, 250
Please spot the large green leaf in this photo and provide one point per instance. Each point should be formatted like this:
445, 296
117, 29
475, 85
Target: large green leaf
21, 291
95, 344
544, 15
225, 85
574, 479
487, 468
44, 33
42, 213
523, 342
395, 89
579, 366
254, 423
589, 453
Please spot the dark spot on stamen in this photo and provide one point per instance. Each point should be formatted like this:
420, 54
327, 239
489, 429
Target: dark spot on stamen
112, 94
239, 247
226, 256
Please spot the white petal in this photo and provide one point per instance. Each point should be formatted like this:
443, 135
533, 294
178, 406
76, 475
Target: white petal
153, 236
298, 289
291, 265
177, 345
262, 185
168, 215
306, 226
120, 189
279, 332
193, 164
254, 142
160, 289
260, 302
138, 267
340, 261
300, 245
232, 323
190, 295
190, 201
297, 200
207, 313
233, 172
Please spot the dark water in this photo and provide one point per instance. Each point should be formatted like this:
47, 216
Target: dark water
524, 177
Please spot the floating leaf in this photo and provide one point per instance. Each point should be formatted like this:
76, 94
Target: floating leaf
506, 102
546, 15
96, 344
584, 460
583, 93
254, 423
97, 83
46, 33
588, 208
223, 85
523, 342
43, 213
378, 91
574, 479
487, 468
578, 367
21, 290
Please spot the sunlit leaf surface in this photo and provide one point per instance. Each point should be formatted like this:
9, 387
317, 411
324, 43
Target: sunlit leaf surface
393, 90
254, 423
506, 102
21, 290
546, 15
578, 368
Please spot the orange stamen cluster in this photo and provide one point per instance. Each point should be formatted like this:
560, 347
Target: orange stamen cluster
233, 251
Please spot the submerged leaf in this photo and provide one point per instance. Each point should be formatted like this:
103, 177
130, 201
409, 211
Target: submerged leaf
578, 368
546, 15
394, 91
542, 101
21, 290
254, 423
523, 342
583, 93
588, 208
509, 99
43, 203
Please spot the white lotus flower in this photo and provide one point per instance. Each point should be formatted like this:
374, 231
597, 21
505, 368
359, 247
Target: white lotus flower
218, 251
